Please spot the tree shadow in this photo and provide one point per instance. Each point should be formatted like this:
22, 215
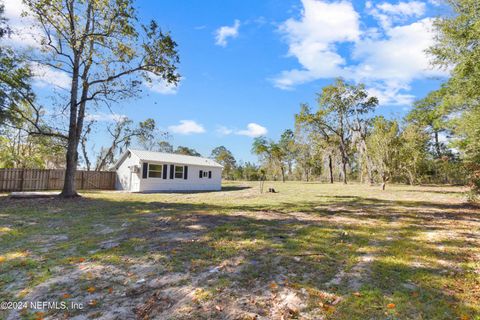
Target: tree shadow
438, 191
235, 188
224, 189
275, 245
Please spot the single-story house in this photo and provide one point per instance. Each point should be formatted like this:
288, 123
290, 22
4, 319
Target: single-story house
140, 171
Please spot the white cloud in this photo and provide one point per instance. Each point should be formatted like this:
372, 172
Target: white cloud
224, 131
398, 56
253, 130
386, 59
105, 117
412, 8
435, 3
24, 32
27, 35
391, 94
388, 13
47, 76
225, 32
311, 39
161, 86
187, 127
391, 63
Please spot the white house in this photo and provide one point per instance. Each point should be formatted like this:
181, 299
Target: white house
139, 171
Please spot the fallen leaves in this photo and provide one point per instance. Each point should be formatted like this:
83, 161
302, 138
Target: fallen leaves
39, 315
66, 296
329, 309
273, 286
80, 260
92, 303
91, 289
391, 306
2, 259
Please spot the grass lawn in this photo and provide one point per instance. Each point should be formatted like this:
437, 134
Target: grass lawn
310, 251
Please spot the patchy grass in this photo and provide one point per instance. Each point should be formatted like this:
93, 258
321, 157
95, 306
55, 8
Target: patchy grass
311, 251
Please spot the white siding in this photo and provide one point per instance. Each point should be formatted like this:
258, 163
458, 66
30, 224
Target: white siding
126, 179
192, 183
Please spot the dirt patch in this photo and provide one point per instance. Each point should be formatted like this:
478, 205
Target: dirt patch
358, 275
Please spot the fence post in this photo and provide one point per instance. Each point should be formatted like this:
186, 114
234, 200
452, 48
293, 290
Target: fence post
22, 177
48, 180
82, 181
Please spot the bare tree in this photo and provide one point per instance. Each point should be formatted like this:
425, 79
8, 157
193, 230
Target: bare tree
122, 136
98, 45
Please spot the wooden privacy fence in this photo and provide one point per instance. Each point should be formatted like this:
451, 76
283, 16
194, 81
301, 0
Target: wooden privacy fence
52, 179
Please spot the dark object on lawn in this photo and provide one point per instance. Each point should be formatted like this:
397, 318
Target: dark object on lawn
272, 190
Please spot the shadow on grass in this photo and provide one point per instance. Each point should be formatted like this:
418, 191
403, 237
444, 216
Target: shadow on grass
194, 238
224, 189
438, 191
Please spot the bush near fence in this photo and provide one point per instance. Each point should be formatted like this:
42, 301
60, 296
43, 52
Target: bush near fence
52, 179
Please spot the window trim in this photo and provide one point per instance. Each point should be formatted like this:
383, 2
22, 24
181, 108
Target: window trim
144, 170
175, 172
161, 171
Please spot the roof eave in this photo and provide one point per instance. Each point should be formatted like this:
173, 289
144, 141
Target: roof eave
122, 158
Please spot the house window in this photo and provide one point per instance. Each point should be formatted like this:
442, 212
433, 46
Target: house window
200, 174
205, 173
209, 174
155, 170
178, 172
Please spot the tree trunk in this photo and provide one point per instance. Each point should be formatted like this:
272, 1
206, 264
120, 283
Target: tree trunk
344, 170
437, 144
283, 174
411, 178
370, 171
77, 110
330, 168
69, 189
85, 153
384, 181
343, 153
368, 161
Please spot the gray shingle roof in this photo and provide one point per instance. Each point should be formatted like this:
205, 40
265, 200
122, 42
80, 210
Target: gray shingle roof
171, 158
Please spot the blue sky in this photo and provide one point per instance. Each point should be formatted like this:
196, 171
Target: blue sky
247, 65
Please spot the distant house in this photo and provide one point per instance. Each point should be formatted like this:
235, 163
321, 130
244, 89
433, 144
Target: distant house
140, 171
